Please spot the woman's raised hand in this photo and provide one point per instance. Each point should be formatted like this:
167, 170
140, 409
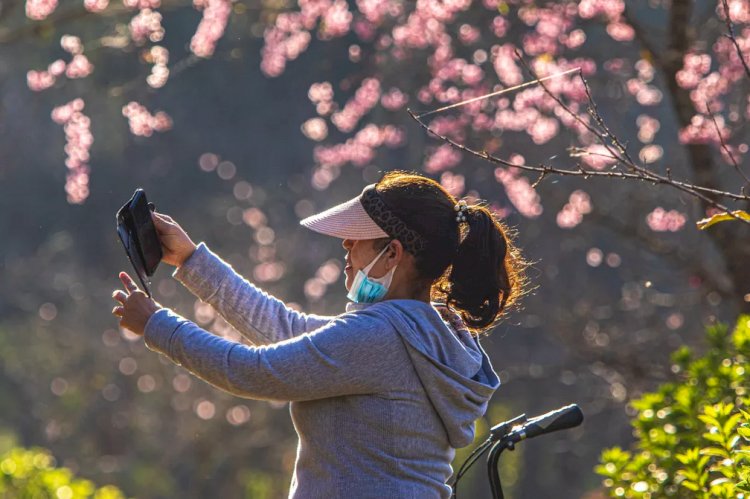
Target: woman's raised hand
176, 245
135, 308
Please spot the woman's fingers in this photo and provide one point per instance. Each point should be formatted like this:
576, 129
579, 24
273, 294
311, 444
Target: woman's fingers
162, 218
160, 223
120, 296
118, 311
129, 284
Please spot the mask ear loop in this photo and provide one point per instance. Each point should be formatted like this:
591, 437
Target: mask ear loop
369, 267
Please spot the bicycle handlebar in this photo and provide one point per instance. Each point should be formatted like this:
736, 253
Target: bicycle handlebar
505, 435
566, 417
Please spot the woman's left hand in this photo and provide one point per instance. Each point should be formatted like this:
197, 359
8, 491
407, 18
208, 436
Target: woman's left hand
135, 307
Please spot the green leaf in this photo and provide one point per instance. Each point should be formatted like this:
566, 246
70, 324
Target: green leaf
714, 451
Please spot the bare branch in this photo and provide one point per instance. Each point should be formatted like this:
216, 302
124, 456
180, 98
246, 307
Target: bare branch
725, 147
731, 36
613, 145
579, 171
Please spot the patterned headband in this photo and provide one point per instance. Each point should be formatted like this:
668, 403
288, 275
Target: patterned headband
388, 221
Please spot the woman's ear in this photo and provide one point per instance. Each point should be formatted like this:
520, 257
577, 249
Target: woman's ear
394, 254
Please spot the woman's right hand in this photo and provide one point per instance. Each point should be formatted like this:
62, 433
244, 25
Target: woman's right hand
176, 245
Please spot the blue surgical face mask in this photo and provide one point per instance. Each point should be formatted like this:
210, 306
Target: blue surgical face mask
366, 289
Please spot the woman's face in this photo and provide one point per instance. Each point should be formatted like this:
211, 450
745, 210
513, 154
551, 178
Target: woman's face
360, 252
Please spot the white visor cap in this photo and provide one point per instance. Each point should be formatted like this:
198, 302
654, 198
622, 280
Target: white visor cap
347, 220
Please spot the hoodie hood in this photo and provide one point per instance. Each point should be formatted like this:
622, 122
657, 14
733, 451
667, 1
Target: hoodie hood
453, 368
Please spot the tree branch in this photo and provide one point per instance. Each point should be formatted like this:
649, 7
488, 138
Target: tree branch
731, 36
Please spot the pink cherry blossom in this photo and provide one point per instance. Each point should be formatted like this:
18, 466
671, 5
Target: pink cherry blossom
453, 183
142, 122
661, 220
519, 191
145, 26
71, 44
505, 65
597, 157
336, 20
358, 150
40, 9
212, 26
647, 128
95, 5
365, 98
621, 31
571, 215
394, 99
444, 157
79, 139
142, 4
543, 129
79, 67
39, 80
315, 129
650, 153
500, 26
468, 34
695, 66
702, 130
374, 11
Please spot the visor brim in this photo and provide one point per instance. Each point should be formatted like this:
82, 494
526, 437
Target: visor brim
347, 220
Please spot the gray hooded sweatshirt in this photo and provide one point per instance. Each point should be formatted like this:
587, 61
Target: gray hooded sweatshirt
381, 396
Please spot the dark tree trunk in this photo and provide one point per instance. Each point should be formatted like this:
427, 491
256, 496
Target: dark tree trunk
731, 238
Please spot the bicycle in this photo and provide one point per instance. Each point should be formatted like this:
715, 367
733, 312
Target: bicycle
507, 434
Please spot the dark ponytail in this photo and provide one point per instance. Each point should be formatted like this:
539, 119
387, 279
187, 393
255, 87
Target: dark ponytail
480, 280
472, 266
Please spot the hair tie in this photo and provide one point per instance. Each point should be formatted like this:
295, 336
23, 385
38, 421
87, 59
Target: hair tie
461, 207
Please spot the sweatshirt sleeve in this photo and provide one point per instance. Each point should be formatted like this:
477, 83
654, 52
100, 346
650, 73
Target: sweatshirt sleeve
354, 354
258, 316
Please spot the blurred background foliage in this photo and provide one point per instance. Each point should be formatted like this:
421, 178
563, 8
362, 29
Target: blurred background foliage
32, 474
612, 298
693, 434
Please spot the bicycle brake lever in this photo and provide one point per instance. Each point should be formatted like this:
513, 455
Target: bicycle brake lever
500, 430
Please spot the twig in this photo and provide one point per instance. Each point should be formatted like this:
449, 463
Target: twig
579, 172
573, 114
494, 94
731, 36
724, 145
606, 136
637, 172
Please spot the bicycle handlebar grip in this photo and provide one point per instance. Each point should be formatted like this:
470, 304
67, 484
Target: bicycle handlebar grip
566, 417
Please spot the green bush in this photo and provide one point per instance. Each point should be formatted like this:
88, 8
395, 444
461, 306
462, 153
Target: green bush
693, 434
32, 474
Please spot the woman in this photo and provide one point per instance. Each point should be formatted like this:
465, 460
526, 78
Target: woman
383, 394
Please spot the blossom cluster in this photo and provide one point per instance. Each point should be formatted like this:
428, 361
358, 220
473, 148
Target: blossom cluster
365, 98
290, 34
79, 139
142, 122
159, 56
212, 26
360, 149
40, 9
78, 67
444, 157
146, 26
661, 220
571, 215
95, 5
519, 190
326, 275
